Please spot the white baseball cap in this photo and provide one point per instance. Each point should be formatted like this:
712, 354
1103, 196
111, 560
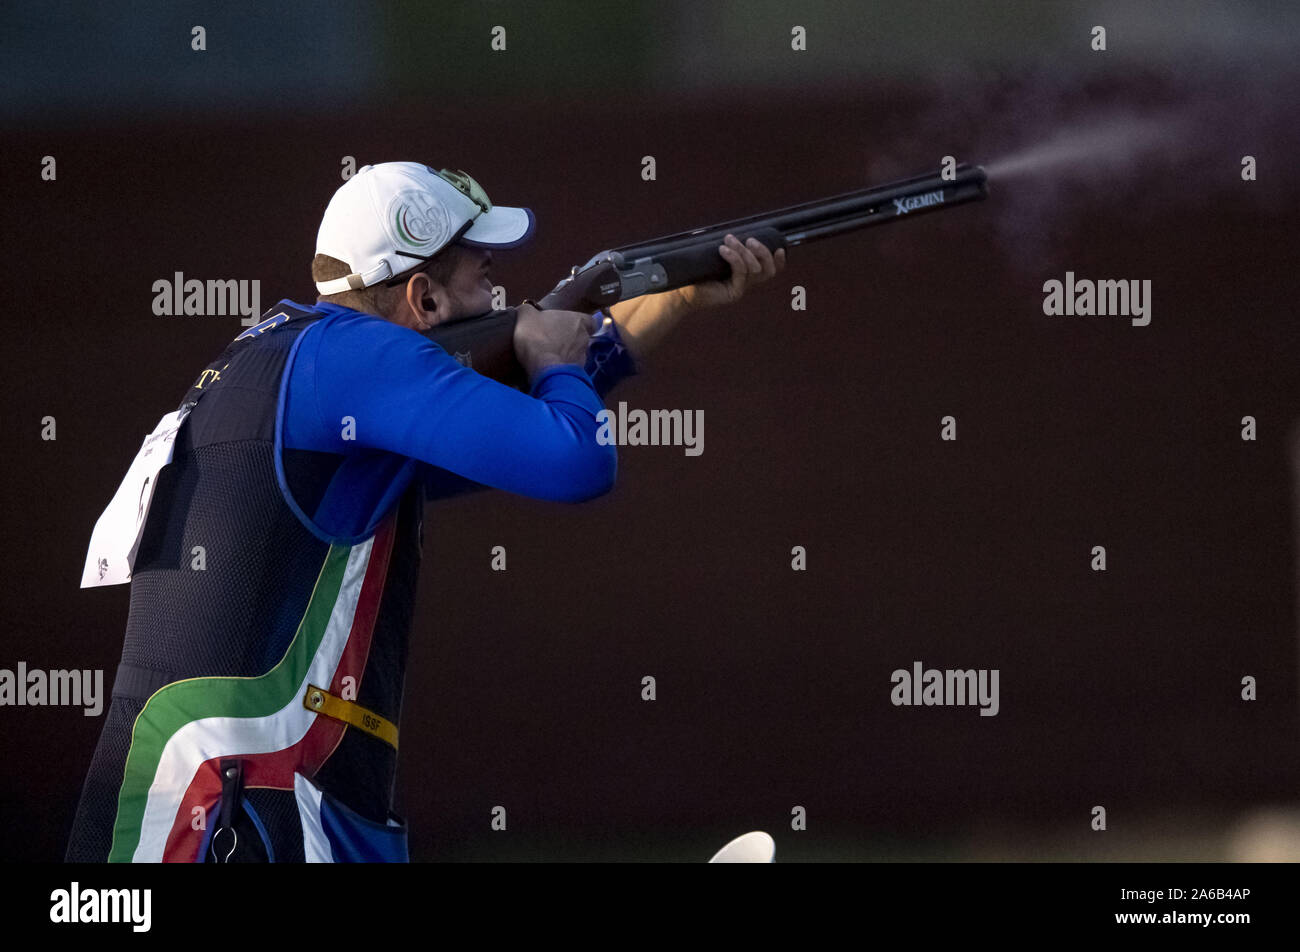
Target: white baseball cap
388, 218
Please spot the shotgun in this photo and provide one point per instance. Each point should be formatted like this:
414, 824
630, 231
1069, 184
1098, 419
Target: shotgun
486, 342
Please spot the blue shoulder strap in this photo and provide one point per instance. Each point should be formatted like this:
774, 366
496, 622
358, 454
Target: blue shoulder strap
277, 317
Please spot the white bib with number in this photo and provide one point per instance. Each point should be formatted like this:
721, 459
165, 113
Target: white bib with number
116, 539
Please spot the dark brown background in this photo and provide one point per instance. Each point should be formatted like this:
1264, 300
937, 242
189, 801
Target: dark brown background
821, 429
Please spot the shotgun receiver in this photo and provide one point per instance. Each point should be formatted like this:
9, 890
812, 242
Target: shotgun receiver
486, 342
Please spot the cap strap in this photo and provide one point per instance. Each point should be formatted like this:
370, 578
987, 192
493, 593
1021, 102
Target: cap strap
354, 281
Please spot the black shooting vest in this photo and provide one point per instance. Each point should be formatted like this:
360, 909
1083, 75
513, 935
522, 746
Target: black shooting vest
231, 583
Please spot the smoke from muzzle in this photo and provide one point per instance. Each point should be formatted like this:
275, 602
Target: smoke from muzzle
1102, 147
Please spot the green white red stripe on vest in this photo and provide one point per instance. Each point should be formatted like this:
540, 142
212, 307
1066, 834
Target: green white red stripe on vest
186, 727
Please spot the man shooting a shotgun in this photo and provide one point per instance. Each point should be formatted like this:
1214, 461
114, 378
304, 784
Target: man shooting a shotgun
255, 711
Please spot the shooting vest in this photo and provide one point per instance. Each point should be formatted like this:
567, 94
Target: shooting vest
263, 663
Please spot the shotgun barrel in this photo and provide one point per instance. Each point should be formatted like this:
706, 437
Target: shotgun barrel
486, 342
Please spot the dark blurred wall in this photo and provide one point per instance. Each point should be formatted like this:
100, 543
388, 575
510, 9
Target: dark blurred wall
822, 430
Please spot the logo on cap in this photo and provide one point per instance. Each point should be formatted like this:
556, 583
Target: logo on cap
417, 221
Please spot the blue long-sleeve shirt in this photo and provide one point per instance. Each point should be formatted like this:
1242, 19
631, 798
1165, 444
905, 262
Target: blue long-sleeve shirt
398, 407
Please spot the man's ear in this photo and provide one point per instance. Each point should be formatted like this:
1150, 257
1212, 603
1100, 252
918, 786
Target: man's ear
425, 304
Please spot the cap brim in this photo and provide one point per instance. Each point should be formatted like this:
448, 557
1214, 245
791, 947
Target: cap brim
502, 227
